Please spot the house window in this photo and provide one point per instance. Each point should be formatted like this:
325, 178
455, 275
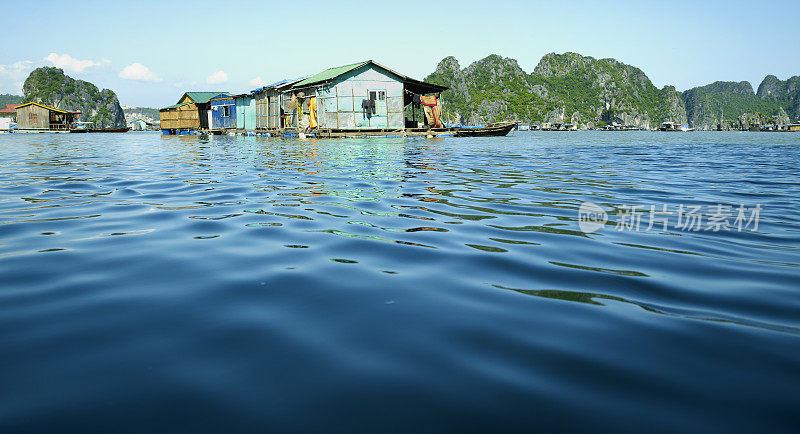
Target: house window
377, 95
226, 111
33, 118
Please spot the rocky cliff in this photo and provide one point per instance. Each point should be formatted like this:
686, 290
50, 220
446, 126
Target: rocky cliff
50, 86
785, 93
707, 106
587, 92
564, 88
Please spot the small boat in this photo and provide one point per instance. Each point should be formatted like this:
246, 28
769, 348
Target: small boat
80, 127
498, 129
110, 130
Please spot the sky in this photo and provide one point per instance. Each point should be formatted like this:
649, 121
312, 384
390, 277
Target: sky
150, 52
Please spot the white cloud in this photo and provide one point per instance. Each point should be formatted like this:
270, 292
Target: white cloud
258, 82
217, 78
138, 72
68, 63
12, 76
177, 84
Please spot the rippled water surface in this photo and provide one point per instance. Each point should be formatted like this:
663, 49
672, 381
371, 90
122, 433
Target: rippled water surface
237, 284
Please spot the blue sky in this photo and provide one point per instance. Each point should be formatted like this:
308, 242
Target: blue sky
149, 52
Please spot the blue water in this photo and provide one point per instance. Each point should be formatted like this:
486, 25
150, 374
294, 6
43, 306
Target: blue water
243, 284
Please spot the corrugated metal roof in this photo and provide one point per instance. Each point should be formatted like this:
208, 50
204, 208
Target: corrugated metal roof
44, 107
204, 97
280, 83
412, 85
330, 74
10, 108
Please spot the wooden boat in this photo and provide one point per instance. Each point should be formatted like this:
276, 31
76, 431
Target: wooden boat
498, 129
80, 127
110, 130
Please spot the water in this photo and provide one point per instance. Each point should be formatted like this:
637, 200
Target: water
232, 284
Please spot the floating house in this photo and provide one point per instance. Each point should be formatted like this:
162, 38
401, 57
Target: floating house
8, 116
192, 113
39, 117
359, 96
138, 125
269, 115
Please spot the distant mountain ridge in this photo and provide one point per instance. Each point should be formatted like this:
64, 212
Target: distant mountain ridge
588, 92
10, 99
50, 86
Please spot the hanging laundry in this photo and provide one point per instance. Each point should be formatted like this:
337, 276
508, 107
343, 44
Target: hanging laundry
312, 108
433, 110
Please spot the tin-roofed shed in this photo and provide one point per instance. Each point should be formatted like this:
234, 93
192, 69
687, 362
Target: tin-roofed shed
191, 113
35, 116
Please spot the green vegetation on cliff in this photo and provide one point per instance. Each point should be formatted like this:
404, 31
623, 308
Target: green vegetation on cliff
581, 90
706, 106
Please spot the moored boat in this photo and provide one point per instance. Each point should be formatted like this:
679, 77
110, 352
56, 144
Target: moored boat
492, 130
109, 130
80, 127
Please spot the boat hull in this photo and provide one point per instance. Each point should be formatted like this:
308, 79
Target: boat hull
495, 130
110, 130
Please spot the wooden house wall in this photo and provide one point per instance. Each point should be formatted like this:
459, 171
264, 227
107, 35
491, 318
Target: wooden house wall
33, 117
218, 121
339, 103
262, 110
183, 117
274, 108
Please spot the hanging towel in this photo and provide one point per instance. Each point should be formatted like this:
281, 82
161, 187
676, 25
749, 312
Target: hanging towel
312, 108
430, 101
433, 110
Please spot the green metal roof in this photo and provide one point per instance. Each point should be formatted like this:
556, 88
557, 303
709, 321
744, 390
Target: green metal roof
203, 97
411, 84
330, 74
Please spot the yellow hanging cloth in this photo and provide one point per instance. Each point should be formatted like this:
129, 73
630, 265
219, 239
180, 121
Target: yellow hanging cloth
312, 108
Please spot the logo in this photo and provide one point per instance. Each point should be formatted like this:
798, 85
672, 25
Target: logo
591, 217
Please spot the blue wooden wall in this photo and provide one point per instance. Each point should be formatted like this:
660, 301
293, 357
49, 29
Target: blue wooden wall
217, 119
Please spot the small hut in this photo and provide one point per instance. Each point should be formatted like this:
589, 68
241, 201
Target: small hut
35, 116
192, 113
8, 116
138, 125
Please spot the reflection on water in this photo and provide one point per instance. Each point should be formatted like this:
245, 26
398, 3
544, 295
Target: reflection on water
232, 283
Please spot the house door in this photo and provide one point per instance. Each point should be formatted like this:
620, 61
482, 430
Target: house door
380, 119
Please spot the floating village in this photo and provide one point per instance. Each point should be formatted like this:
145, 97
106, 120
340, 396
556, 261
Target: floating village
363, 99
